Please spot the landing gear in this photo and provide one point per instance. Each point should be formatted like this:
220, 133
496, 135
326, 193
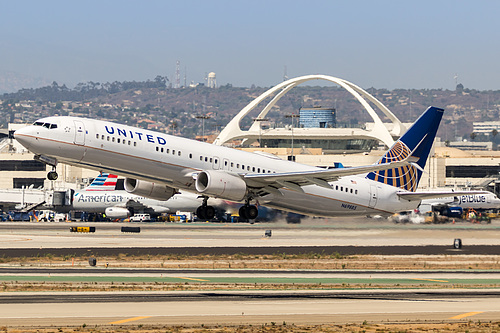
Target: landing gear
205, 212
52, 175
249, 212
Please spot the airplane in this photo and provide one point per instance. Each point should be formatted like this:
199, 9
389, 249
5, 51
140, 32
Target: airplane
101, 196
157, 165
484, 201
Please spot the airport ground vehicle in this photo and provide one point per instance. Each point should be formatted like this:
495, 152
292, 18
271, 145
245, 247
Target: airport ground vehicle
140, 218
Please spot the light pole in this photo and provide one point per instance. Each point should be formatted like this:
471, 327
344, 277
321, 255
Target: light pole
260, 120
293, 115
203, 117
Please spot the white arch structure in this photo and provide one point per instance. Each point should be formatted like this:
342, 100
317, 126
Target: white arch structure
233, 131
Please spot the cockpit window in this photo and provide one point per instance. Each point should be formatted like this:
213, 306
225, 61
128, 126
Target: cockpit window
46, 125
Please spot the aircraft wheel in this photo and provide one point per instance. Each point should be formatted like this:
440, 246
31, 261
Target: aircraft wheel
52, 175
209, 212
251, 212
200, 213
243, 212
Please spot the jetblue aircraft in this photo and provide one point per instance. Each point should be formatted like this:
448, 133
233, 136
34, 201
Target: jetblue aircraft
484, 201
101, 196
157, 165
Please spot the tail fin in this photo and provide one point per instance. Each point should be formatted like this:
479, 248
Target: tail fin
103, 182
417, 141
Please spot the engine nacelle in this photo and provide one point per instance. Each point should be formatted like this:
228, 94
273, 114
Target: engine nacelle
148, 189
117, 212
221, 184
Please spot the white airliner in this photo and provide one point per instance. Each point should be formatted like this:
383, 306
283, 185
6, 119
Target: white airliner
157, 165
484, 201
101, 196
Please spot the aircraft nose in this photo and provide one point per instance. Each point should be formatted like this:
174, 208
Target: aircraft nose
24, 136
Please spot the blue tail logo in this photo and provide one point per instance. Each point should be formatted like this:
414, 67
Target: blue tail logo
417, 142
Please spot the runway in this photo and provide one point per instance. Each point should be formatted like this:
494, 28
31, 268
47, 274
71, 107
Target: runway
315, 296
308, 307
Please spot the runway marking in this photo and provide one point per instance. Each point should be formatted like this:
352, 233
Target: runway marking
430, 280
186, 278
468, 314
128, 320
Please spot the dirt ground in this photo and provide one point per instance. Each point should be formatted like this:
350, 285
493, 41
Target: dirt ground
276, 261
470, 326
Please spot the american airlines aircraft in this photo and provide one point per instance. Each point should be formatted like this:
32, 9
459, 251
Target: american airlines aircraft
157, 165
101, 196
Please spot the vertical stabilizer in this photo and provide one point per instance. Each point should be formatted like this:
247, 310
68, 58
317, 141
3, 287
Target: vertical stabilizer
417, 142
103, 182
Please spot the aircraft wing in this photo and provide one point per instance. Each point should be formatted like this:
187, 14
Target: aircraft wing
421, 195
295, 180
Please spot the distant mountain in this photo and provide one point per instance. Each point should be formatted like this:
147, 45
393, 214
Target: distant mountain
11, 82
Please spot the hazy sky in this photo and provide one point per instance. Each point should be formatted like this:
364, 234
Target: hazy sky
384, 44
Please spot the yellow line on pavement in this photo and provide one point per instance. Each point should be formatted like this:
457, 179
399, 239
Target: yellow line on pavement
468, 314
127, 320
192, 279
431, 280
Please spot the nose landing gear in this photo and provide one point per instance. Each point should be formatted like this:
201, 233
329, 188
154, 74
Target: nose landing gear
52, 175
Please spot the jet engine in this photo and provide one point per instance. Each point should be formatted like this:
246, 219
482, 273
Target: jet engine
148, 189
221, 184
117, 212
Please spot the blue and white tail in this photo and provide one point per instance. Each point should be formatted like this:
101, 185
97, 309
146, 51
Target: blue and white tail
417, 142
103, 182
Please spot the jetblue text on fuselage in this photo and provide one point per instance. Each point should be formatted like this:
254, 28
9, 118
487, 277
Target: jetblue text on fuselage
472, 198
131, 135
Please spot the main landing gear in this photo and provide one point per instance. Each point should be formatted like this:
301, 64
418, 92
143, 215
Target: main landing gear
205, 212
249, 212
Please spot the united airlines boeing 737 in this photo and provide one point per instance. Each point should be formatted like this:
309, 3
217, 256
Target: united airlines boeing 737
157, 165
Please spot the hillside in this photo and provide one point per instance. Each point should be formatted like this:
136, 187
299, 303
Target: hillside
152, 104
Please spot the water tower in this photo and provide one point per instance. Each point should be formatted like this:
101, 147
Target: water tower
212, 82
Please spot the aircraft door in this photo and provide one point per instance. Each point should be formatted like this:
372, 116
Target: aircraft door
79, 133
373, 196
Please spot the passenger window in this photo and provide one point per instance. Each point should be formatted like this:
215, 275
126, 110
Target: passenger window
118, 140
97, 136
201, 158
211, 159
253, 169
173, 151
113, 139
232, 164
102, 137
135, 143
108, 138
179, 153
161, 149
190, 155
